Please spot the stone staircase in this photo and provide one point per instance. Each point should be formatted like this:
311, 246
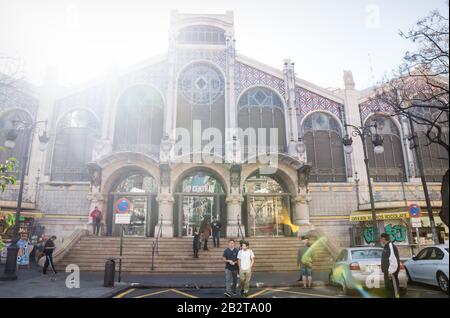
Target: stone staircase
175, 255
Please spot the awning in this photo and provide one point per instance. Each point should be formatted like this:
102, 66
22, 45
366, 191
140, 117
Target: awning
26, 214
364, 216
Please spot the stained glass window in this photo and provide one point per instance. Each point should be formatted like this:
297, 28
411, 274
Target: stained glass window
75, 137
7, 122
201, 84
323, 140
389, 165
201, 34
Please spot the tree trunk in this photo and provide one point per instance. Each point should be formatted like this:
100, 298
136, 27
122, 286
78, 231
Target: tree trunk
444, 197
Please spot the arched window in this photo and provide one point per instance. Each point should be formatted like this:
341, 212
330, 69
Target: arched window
201, 98
139, 120
261, 107
434, 157
201, 34
323, 140
9, 121
75, 137
389, 165
137, 183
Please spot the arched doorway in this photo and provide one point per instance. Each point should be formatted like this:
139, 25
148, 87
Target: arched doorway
199, 196
266, 207
141, 189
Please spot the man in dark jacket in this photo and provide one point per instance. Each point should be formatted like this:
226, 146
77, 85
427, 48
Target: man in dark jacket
216, 226
390, 266
49, 247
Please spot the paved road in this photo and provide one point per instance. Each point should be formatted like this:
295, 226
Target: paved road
414, 291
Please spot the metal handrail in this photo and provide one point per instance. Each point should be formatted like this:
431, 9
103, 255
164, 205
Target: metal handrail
240, 233
155, 244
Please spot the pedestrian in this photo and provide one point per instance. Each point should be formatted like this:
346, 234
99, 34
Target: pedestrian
97, 217
230, 257
39, 249
196, 241
49, 247
23, 256
206, 231
390, 266
216, 228
246, 259
304, 261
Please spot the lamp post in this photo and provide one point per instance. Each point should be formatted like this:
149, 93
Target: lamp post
28, 130
377, 140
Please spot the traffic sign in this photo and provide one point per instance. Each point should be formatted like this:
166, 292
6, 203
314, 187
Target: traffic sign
416, 222
414, 210
123, 218
122, 205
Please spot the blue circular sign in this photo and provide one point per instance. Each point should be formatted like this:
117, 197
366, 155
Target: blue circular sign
414, 211
122, 205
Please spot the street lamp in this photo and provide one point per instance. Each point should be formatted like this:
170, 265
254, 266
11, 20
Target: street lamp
370, 131
28, 130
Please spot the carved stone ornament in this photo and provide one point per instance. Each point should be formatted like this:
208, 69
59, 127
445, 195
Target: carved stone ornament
235, 176
165, 175
95, 172
303, 176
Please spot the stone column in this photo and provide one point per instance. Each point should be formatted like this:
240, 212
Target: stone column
165, 201
234, 204
291, 111
301, 218
95, 197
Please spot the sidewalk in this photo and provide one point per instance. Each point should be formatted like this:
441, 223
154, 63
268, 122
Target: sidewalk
31, 283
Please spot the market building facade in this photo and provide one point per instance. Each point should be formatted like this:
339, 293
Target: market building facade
118, 138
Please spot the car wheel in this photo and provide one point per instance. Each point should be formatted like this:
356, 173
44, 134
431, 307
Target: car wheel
409, 277
442, 281
344, 288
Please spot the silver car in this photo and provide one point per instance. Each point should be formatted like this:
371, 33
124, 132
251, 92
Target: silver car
359, 269
430, 266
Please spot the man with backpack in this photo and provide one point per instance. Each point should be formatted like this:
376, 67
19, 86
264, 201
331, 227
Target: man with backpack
97, 218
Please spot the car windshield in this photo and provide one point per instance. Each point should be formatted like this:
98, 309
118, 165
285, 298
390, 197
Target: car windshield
366, 254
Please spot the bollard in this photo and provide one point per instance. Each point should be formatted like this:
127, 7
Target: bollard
110, 271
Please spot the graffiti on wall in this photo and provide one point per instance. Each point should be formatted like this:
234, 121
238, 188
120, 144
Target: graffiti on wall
397, 233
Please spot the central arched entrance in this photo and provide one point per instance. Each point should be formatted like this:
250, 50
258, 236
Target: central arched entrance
266, 207
141, 189
199, 196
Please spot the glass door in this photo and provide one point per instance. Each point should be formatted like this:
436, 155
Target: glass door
138, 214
195, 210
266, 215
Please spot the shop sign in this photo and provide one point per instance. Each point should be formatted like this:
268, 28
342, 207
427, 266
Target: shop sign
379, 216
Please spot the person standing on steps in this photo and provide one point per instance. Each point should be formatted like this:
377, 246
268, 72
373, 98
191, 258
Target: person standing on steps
49, 247
97, 217
246, 259
230, 257
216, 228
205, 229
196, 242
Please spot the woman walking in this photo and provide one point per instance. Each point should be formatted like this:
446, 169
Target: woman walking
196, 242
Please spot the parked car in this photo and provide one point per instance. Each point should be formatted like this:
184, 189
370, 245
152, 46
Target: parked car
359, 269
430, 266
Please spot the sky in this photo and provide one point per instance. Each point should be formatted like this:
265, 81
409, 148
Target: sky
84, 39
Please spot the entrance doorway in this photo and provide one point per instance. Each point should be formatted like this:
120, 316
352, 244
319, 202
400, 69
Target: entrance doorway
200, 198
266, 207
140, 189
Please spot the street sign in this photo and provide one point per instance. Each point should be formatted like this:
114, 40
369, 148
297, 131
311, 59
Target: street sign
416, 222
414, 211
122, 205
122, 218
